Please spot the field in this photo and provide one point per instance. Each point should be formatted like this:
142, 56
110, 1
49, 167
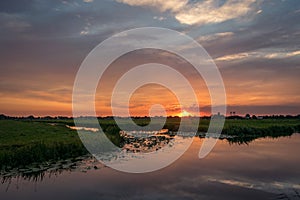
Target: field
23, 142
26, 142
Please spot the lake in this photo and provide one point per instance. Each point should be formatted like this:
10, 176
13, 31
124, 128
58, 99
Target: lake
266, 168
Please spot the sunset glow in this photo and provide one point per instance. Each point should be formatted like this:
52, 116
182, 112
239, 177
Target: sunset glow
184, 113
149, 99
259, 66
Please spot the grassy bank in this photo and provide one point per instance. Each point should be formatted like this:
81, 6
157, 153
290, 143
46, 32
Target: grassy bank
24, 142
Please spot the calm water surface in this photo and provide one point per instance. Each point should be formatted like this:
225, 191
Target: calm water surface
264, 169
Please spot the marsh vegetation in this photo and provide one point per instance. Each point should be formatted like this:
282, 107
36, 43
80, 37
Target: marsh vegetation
36, 141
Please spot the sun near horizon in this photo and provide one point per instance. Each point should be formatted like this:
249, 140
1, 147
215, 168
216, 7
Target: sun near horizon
184, 113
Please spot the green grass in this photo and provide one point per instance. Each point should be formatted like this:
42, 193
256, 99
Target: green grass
261, 128
261, 123
26, 142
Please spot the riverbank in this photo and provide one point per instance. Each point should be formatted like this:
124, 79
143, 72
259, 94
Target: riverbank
23, 142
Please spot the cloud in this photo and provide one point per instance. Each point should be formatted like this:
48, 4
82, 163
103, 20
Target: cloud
259, 11
273, 187
295, 53
200, 13
260, 54
232, 57
216, 36
208, 12
167, 5
159, 18
43, 44
13, 22
88, 1
84, 32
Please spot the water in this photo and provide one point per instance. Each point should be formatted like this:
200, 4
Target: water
263, 169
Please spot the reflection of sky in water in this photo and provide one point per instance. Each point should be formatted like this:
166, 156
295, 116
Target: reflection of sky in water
264, 169
146, 154
83, 128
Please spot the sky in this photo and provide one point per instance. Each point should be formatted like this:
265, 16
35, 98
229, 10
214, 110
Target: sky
254, 43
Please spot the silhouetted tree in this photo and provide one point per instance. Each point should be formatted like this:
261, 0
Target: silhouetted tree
3, 116
30, 117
